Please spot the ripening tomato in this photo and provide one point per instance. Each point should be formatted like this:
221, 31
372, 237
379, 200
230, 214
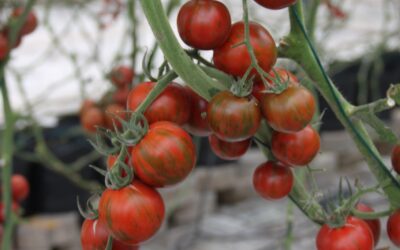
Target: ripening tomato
354, 235
120, 96
92, 118
122, 76
235, 60
228, 150
172, 104
204, 24
14, 207
276, 4
283, 75
396, 158
273, 180
31, 21
3, 47
198, 122
393, 228
374, 225
164, 156
296, 149
19, 187
289, 111
233, 118
112, 113
133, 214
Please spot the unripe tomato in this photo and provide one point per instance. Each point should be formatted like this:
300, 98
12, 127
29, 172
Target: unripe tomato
273, 180
3, 47
31, 21
113, 111
296, 149
396, 158
276, 4
228, 150
393, 228
19, 187
198, 121
235, 60
204, 24
374, 225
92, 118
122, 76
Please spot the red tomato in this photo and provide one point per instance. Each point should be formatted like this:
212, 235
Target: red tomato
164, 156
86, 104
19, 187
228, 150
91, 118
354, 235
133, 214
284, 76
393, 228
204, 24
374, 225
233, 118
396, 159
296, 149
122, 76
3, 47
235, 60
290, 111
31, 21
198, 122
112, 111
111, 160
172, 104
14, 208
273, 180
120, 96
275, 4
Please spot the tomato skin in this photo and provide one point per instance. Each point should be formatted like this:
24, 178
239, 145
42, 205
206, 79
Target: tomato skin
165, 155
31, 21
235, 60
198, 123
354, 235
172, 104
395, 157
132, 214
120, 96
393, 228
20, 187
91, 118
273, 180
111, 112
233, 118
228, 150
122, 76
3, 47
86, 104
296, 149
275, 4
199, 34
289, 111
374, 225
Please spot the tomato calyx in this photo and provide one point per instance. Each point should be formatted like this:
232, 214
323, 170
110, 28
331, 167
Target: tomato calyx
277, 84
91, 207
244, 86
120, 175
133, 130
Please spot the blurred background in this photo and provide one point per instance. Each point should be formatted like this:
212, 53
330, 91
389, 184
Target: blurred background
68, 59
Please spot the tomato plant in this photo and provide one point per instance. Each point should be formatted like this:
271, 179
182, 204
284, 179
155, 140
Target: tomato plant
228, 150
14, 207
29, 25
112, 113
395, 157
20, 187
393, 228
92, 118
120, 96
201, 34
122, 76
374, 225
198, 122
275, 4
3, 47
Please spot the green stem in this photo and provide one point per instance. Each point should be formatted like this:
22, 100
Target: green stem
371, 215
374, 107
289, 227
132, 17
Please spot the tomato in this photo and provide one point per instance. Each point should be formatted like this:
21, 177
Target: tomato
94, 236
284, 76
396, 158
276, 4
296, 149
235, 60
14, 207
133, 214
91, 118
3, 47
111, 160
233, 118
273, 180
289, 111
172, 104
204, 24
198, 122
354, 235
86, 104
111, 113
122, 76
228, 150
393, 228
30, 23
120, 96
164, 156
374, 225
19, 187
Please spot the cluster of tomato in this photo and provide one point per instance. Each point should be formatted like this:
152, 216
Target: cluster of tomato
103, 114
28, 27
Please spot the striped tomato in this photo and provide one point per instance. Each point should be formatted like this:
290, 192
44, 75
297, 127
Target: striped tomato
198, 122
228, 150
164, 156
132, 214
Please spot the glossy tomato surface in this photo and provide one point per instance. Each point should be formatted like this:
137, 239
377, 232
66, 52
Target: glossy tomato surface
235, 60
204, 24
3, 46
273, 180
228, 150
132, 214
289, 111
374, 225
20, 187
393, 228
31, 21
395, 157
164, 156
90, 119
354, 235
296, 149
198, 121
173, 104
276, 4
233, 118
122, 76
